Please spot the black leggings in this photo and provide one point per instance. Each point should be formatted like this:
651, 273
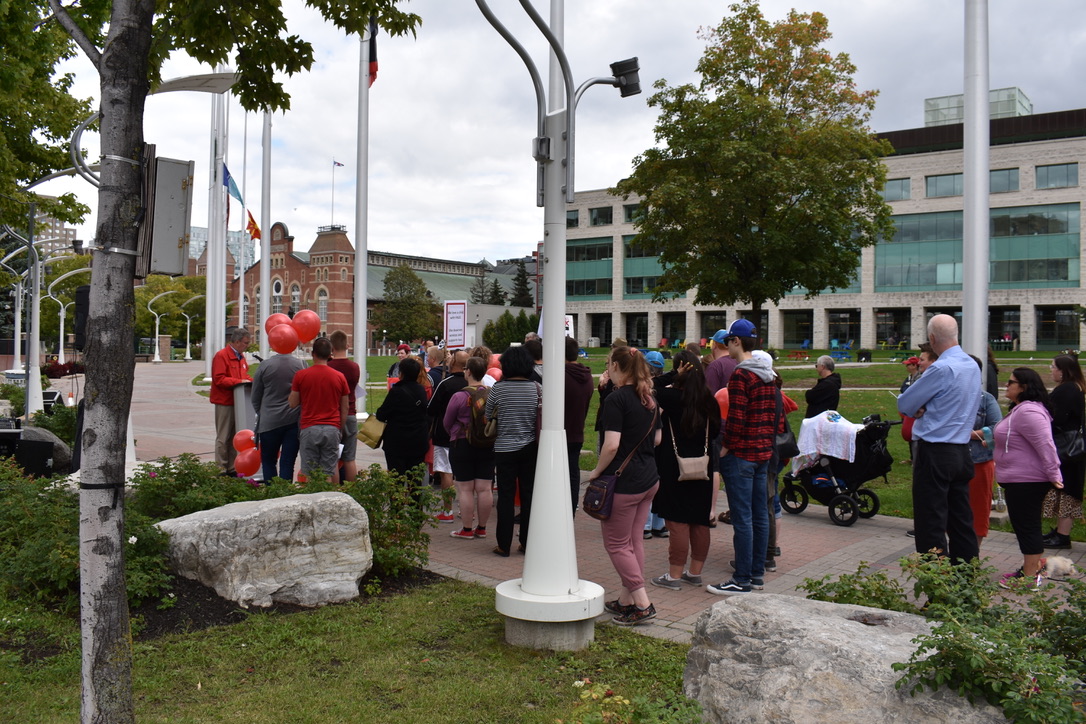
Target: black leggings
1024, 503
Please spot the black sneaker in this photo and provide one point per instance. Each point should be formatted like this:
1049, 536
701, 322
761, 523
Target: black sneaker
660, 532
776, 551
636, 616
647, 535
616, 607
911, 533
728, 588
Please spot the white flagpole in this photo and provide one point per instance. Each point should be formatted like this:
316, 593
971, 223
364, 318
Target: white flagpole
244, 219
265, 232
361, 220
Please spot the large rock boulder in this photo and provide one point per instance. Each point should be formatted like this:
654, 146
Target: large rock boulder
62, 454
783, 659
308, 550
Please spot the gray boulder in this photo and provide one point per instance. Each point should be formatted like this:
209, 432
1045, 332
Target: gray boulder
308, 550
784, 659
62, 454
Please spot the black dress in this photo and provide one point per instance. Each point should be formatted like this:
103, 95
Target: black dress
1068, 407
686, 501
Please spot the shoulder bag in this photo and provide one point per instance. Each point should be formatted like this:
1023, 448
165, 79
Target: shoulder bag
695, 468
784, 442
371, 431
599, 496
1070, 444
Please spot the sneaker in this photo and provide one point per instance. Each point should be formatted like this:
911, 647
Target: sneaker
647, 535
757, 583
1055, 540
480, 532
728, 588
445, 516
770, 565
634, 616
776, 551
1018, 581
617, 608
666, 581
692, 580
662, 533
466, 533
911, 533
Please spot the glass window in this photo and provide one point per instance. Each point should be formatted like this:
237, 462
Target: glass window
636, 250
897, 189
640, 285
322, 305
631, 213
1057, 176
590, 252
296, 298
277, 297
945, 185
601, 216
573, 218
588, 287
1003, 180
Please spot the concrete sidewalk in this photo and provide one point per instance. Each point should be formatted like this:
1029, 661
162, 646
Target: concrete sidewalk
169, 418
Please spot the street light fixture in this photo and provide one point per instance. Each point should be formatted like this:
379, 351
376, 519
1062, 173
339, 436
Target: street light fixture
550, 607
158, 356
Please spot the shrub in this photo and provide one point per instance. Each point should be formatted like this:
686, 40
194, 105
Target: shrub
60, 421
16, 395
1025, 659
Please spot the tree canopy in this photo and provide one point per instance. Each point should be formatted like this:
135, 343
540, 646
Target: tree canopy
766, 177
408, 312
522, 293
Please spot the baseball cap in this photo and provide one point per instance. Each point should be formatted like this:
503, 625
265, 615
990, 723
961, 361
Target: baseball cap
720, 336
655, 359
763, 355
912, 361
740, 328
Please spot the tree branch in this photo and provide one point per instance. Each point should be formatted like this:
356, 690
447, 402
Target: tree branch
75, 32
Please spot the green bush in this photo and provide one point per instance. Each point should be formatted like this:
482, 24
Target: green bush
1026, 659
16, 395
61, 422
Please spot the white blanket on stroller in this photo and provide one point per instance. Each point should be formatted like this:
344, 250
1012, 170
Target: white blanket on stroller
825, 434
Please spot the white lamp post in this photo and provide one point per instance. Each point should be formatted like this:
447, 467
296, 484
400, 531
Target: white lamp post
158, 357
188, 328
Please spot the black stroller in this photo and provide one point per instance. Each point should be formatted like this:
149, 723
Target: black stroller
835, 482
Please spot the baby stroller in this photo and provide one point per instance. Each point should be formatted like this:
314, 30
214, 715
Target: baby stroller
836, 482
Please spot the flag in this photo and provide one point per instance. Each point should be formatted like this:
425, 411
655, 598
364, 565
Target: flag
251, 227
373, 49
336, 163
231, 187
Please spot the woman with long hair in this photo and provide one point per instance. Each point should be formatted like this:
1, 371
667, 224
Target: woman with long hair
407, 436
1027, 467
631, 429
691, 420
472, 467
515, 402
1068, 408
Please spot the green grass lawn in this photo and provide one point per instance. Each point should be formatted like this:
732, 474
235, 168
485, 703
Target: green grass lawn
435, 653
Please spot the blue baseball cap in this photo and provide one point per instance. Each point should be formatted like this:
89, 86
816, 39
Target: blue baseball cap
655, 359
739, 328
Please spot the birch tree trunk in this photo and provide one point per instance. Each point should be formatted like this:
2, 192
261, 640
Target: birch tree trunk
106, 634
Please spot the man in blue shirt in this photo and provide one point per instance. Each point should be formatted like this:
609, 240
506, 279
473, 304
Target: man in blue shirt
944, 401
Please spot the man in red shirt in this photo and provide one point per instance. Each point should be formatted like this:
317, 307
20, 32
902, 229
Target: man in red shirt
350, 370
228, 370
324, 398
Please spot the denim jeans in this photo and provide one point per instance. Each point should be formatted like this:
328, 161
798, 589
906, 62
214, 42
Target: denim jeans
745, 485
282, 442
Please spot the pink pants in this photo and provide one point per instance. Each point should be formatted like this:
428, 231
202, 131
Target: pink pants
623, 536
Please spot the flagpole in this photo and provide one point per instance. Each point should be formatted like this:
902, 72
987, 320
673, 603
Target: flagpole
333, 219
361, 217
265, 233
244, 218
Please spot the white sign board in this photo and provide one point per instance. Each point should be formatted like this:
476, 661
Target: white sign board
456, 324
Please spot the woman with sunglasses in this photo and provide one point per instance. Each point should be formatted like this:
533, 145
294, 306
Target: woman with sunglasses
1027, 467
1068, 408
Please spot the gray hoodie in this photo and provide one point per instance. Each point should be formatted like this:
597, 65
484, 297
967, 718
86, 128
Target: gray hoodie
760, 367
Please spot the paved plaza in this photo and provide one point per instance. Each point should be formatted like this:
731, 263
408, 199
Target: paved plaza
170, 418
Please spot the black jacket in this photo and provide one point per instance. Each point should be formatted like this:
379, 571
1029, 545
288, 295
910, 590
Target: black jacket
404, 412
444, 391
825, 395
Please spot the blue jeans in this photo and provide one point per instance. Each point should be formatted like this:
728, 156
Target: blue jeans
282, 442
745, 485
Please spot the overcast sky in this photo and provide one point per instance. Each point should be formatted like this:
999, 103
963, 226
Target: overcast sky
453, 112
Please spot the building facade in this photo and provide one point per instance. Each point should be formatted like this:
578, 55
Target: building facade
1035, 270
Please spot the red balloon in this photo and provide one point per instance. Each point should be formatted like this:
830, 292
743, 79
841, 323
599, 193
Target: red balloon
495, 372
722, 400
248, 462
244, 440
274, 321
283, 339
307, 324
496, 360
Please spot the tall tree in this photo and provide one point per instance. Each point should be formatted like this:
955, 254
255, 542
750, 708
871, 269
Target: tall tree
126, 41
522, 293
478, 291
767, 177
495, 294
408, 311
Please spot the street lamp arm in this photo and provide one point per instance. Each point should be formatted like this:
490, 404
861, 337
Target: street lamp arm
156, 298
193, 299
64, 276
78, 162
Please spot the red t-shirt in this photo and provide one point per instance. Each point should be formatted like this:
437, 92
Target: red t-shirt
321, 389
349, 369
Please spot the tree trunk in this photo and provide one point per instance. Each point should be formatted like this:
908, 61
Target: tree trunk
106, 635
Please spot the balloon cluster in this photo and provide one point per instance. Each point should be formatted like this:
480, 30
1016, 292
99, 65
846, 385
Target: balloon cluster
495, 368
285, 334
248, 459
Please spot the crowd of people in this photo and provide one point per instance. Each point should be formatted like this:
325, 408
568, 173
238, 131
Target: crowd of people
673, 435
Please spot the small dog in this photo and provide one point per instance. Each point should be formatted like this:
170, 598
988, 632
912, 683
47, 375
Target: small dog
1059, 568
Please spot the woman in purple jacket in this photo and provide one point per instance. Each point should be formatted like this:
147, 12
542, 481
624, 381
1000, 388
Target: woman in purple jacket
1027, 467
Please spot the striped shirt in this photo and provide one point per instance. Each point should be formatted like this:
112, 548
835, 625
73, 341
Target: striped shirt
516, 404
